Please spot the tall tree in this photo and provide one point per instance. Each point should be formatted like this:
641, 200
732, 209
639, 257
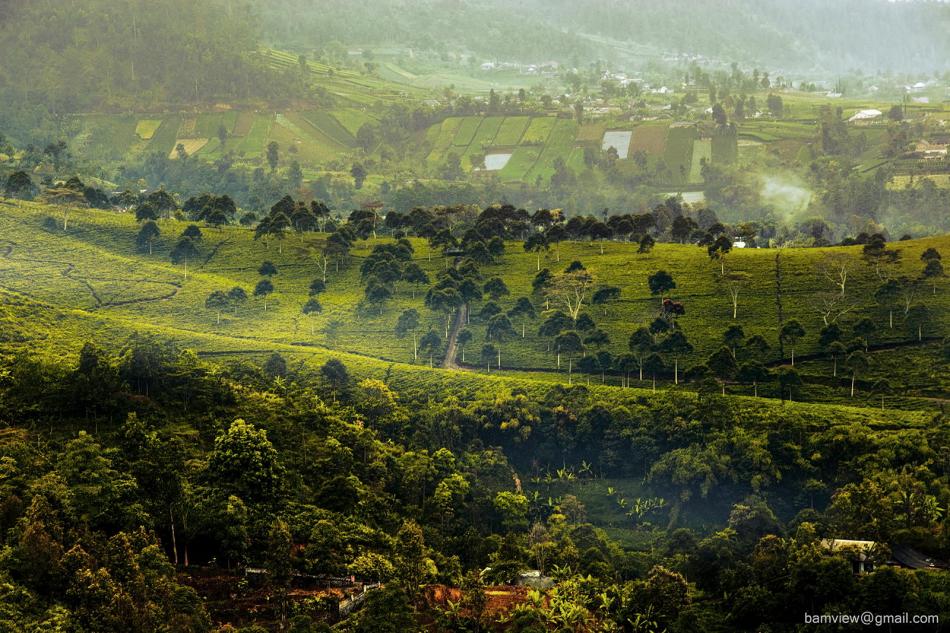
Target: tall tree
660, 283
264, 288
790, 334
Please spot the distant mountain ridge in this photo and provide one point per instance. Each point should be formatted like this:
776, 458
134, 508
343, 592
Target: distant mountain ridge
801, 35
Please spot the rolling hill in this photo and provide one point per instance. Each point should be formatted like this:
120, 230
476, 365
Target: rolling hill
94, 274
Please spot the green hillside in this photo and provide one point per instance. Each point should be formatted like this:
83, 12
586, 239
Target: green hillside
76, 270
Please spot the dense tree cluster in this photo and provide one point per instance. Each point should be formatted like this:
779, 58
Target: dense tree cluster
316, 471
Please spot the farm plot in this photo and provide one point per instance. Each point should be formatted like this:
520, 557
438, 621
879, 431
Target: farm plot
146, 128
487, 131
591, 132
192, 146
649, 138
511, 130
725, 148
538, 131
576, 160
163, 140
443, 142
702, 151
619, 140
328, 126
521, 161
679, 152
466, 131
559, 146
483, 138
209, 124
352, 119
292, 130
243, 123
188, 127
252, 145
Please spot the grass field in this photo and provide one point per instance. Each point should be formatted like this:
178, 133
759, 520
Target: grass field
58, 290
94, 268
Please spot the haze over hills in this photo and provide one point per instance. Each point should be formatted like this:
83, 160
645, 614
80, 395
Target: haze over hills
801, 36
517, 316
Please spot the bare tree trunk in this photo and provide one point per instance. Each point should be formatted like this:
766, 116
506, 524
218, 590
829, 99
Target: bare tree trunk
171, 517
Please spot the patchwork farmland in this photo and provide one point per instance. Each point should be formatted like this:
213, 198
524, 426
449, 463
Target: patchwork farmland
318, 136
518, 149
524, 149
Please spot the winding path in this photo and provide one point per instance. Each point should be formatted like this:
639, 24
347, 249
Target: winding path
451, 346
